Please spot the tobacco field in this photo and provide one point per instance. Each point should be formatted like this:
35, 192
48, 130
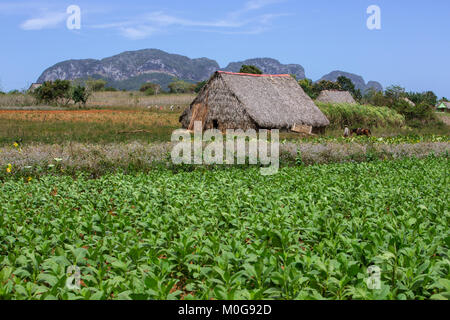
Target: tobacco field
305, 233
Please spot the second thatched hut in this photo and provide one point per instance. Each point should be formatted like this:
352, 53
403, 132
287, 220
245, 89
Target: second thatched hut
246, 101
335, 96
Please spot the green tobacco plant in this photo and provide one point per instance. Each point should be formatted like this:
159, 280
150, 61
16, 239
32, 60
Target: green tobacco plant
305, 233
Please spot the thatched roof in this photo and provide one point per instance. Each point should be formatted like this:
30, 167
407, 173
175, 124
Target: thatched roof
271, 101
335, 96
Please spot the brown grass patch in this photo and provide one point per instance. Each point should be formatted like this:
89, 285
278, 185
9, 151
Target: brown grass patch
129, 117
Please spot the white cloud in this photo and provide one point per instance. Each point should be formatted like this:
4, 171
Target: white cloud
165, 20
137, 33
48, 20
237, 22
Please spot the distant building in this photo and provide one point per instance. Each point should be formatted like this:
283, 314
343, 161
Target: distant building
34, 86
444, 107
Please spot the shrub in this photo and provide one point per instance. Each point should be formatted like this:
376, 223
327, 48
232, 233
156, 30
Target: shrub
150, 92
250, 69
421, 111
150, 89
96, 85
80, 95
110, 89
180, 86
54, 92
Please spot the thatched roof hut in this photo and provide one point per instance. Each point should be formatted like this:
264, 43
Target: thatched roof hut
247, 101
335, 96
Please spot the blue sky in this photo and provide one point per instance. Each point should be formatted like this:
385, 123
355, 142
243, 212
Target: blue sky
411, 49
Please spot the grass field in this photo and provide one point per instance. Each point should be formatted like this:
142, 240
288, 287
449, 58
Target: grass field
115, 100
306, 233
115, 117
139, 124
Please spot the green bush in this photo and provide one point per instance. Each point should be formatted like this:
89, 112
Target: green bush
61, 92
54, 92
250, 70
80, 95
350, 115
150, 92
421, 111
150, 89
110, 89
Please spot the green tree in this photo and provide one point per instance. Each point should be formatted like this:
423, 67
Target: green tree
80, 95
250, 69
54, 92
375, 98
346, 84
308, 86
326, 85
395, 93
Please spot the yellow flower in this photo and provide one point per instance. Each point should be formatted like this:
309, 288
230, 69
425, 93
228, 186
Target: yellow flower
16, 145
9, 168
29, 179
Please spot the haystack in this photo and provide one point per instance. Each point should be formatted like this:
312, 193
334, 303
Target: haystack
246, 101
334, 96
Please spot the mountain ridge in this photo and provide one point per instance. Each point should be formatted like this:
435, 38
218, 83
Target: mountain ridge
129, 69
